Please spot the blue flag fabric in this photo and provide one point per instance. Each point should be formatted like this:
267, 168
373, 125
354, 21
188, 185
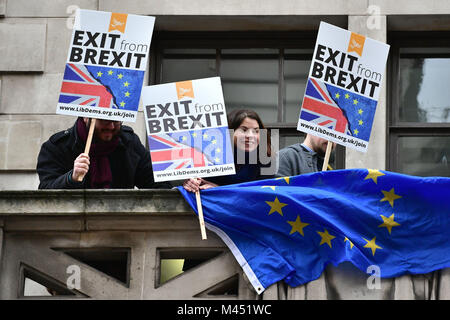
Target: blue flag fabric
291, 228
125, 85
358, 110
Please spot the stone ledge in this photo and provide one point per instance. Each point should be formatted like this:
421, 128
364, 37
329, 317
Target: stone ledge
96, 210
111, 202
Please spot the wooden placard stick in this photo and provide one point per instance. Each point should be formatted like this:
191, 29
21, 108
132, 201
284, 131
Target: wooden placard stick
327, 156
88, 141
200, 215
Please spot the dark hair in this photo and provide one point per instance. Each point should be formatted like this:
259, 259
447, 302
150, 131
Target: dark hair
236, 117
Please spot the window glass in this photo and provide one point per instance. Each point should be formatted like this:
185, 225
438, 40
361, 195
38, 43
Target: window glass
424, 156
178, 51
270, 80
181, 69
424, 90
288, 140
295, 76
253, 51
251, 82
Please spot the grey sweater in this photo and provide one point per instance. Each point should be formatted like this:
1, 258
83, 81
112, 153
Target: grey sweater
295, 160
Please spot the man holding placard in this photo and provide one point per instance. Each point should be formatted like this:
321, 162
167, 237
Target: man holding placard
302, 158
117, 159
102, 84
340, 98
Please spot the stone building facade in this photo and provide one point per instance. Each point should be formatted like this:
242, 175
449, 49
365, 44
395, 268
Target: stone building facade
221, 37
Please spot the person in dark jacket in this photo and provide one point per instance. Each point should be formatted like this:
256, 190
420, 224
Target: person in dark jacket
252, 160
300, 158
117, 159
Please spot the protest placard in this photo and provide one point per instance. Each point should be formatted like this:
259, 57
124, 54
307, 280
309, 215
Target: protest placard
187, 132
343, 87
105, 65
187, 129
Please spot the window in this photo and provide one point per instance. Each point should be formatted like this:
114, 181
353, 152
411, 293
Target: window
419, 95
265, 72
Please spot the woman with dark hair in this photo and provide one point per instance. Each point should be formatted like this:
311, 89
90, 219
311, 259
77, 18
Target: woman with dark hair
246, 127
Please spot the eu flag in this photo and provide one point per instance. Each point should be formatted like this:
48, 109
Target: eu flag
359, 111
290, 228
212, 142
125, 85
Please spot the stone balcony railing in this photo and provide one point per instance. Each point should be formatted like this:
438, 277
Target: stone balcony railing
110, 244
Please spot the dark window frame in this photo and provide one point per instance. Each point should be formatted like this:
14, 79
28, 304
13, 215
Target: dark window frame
395, 128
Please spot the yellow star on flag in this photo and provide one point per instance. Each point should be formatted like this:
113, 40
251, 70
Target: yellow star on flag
360, 111
126, 84
275, 206
374, 174
356, 132
205, 136
355, 102
372, 245
285, 179
99, 74
214, 141
127, 94
119, 76
110, 72
390, 196
360, 122
337, 95
297, 226
347, 96
218, 150
351, 243
194, 134
388, 223
122, 104
271, 187
326, 237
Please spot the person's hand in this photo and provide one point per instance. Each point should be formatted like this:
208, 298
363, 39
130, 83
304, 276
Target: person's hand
207, 185
80, 167
192, 184
197, 184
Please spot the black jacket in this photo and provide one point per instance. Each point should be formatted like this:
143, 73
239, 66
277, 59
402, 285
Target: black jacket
130, 162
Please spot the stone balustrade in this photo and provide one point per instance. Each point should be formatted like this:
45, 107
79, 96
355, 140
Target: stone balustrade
115, 241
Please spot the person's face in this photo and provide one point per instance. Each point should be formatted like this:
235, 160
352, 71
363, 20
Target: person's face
319, 145
106, 130
246, 137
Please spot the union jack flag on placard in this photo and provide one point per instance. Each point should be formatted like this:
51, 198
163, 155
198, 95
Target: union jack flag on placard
168, 154
319, 108
79, 87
